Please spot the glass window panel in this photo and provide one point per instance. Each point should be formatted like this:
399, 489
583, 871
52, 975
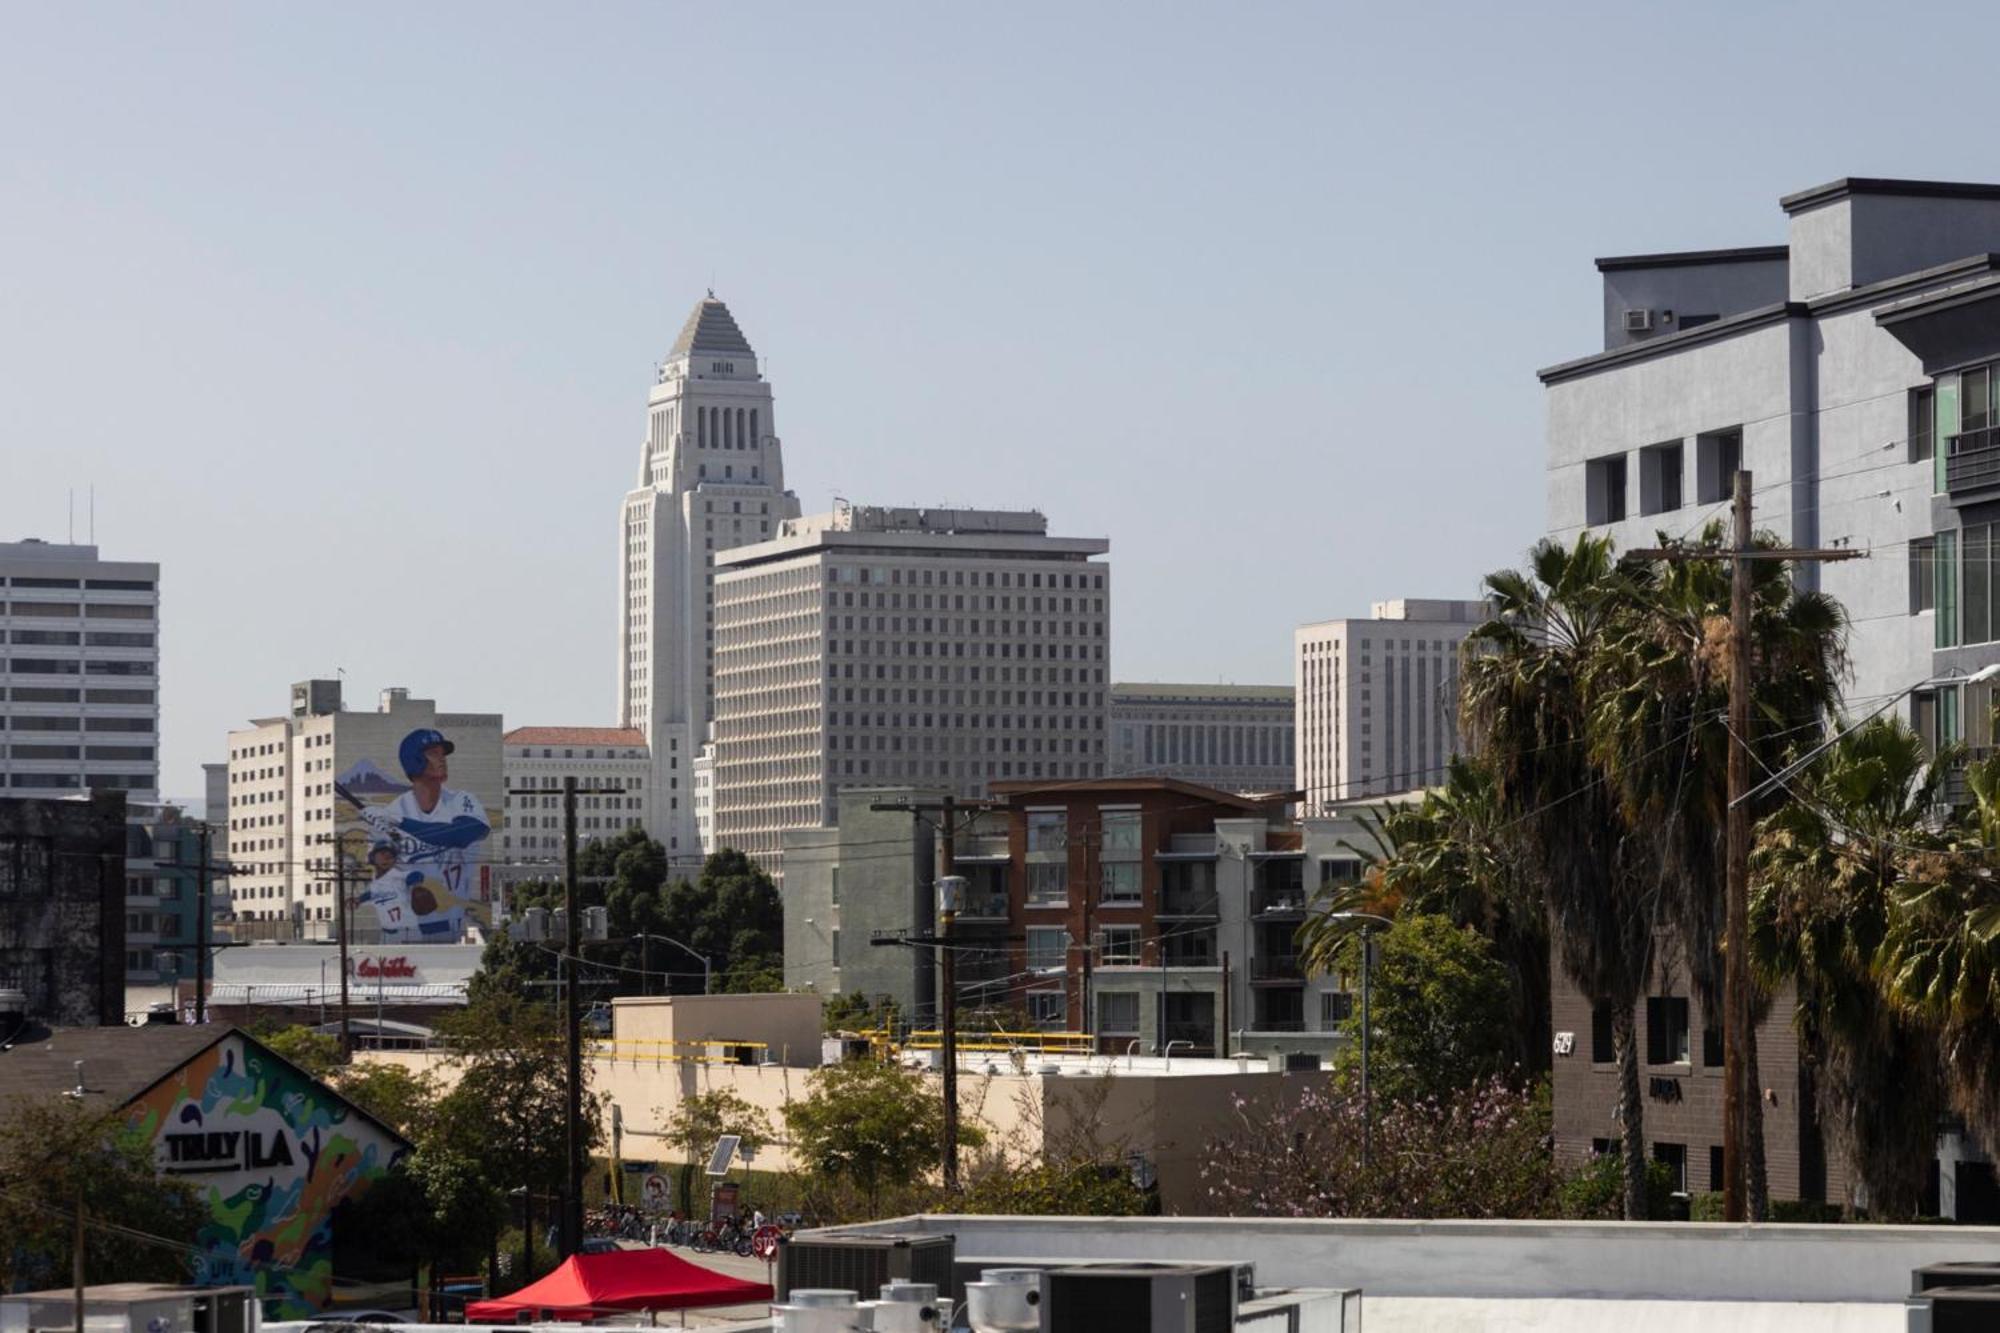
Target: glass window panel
1975, 608
1975, 399
1947, 426
1946, 601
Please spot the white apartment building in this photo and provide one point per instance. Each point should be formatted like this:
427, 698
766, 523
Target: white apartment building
1234, 738
711, 477
81, 672
936, 647
284, 811
704, 796
536, 762
1377, 703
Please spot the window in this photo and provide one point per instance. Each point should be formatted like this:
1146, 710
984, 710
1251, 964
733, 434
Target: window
1047, 831
1717, 456
1121, 946
1975, 584
1603, 1046
1048, 948
1048, 884
1604, 490
1335, 1008
1944, 595
1121, 882
1339, 870
1674, 1156
1118, 1013
1715, 1167
1711, 1042
1666, 1029
1121, 835
1923, 423
1048, 1008
1660, 478
1923, 575
1975, 399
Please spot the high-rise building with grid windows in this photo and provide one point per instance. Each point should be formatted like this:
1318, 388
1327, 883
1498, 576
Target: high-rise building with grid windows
711, 477
944, 648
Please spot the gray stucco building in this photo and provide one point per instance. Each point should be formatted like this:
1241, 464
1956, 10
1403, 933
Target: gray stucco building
1852, 371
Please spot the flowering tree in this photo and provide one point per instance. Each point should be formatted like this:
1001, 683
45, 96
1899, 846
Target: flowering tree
1481, 1152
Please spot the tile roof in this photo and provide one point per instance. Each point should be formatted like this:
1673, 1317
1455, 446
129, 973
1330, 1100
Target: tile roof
574, 736
711, 328
119, 1062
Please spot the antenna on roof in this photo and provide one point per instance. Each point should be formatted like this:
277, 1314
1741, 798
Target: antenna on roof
93, 513
72, 516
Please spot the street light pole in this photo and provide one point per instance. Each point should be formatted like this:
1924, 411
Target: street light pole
1368, 922
707, 968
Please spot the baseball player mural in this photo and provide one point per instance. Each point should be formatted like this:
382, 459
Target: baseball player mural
425, 842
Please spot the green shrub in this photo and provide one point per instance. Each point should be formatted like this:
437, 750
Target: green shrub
1597, 1189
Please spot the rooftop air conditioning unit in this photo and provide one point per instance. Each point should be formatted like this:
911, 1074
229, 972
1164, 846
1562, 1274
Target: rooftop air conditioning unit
1141, 1298
1638, 321
862, 1263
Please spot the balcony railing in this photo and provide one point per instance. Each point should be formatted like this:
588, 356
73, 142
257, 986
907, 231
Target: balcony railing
1279, 1025
987, 906
1972, 461
1286, 900
1190, 902
1276, 967
1200, 1035
1192, 955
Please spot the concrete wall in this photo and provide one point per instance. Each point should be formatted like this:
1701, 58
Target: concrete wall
1687, 289
869, 873
62, 922
787, 1025
1706, 1262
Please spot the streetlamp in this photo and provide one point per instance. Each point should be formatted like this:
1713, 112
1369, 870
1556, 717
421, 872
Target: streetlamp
707, 971
1368, 922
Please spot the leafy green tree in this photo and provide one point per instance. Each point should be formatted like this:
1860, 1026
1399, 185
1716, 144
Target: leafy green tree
317, 1053
1451, 854
1440, 1007
703, 1117
871, 1124
1058, 1189
54, 1152
1526, 707
1819, 914
399, 1098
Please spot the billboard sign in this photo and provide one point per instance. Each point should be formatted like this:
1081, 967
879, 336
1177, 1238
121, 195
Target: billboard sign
422, 840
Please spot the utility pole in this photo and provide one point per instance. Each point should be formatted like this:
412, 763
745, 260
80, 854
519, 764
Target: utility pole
948, 809
1367, 1093
340, 929
572, 1213
1226, 1052
1739, 1054
77, 1260
200, 932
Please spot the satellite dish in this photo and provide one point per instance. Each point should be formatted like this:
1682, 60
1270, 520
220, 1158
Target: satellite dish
725, 1148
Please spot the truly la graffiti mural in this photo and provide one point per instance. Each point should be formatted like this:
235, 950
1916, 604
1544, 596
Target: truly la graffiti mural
273, 1152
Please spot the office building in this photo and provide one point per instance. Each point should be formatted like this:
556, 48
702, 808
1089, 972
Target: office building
1377, 699
81, 672
1233, 737
931, 647
711, 477
296, 783
63, 909
613, 771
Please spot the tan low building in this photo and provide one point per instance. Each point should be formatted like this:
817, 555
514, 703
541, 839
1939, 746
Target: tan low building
764, 1049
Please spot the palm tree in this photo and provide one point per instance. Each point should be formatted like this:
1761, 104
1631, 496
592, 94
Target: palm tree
1526, 709
1826, 867
1659, 732
1451, 855
1940, 955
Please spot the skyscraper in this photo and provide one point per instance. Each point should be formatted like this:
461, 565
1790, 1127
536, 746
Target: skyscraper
711, 476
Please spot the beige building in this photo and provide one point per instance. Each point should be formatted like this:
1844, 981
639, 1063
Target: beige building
285, 812
614, 772
939, 647
1377, 699
1232, 737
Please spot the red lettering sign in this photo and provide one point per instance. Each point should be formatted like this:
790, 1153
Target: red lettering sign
393, 969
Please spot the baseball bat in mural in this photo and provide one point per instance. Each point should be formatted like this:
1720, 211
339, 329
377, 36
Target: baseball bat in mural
425, 842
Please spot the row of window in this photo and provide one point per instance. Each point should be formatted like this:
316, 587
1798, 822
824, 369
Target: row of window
1662, 477
54, 694
88, 610
101, 585
65, 666
1666, 1034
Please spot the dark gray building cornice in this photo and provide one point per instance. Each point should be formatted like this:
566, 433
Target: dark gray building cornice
1675, 342
1904, 284
1847, 186
1751, 254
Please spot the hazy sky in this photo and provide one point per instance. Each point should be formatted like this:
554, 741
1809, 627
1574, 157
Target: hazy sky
349, 312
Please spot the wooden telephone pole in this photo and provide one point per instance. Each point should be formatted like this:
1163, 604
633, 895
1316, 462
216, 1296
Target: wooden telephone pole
1738, 1032
948, 810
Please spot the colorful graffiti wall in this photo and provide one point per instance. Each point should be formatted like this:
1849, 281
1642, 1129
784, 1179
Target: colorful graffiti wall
272, 1152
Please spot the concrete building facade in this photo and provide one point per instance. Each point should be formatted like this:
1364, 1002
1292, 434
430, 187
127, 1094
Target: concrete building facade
935, 647
81, 673
711, 477
63, 907
535, 763
1377, 699
1232, 737
285, 814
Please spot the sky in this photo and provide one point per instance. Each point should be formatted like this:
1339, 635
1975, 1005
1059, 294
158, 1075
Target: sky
348, 313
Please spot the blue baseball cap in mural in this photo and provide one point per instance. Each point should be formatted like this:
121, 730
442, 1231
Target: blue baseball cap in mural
411, 752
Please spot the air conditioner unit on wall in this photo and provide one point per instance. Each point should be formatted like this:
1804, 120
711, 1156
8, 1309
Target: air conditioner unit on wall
1638, 321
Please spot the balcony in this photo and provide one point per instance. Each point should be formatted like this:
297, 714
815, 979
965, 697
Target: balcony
1277, 969
1972, 462
1196, 1039
1197, 903
1193, 951
987, 905
1280, 900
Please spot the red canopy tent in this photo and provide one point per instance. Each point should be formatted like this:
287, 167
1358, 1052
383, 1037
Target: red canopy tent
589, 1285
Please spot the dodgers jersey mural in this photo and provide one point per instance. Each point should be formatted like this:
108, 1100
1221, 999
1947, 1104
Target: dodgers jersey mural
272, 1152
423, 841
